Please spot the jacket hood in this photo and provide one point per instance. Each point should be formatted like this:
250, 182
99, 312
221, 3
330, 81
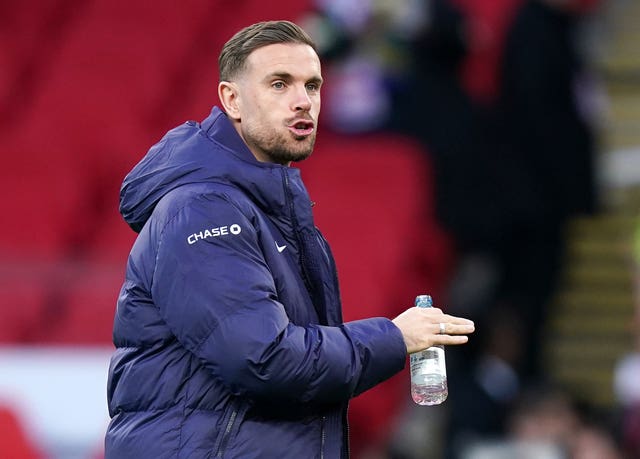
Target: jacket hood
211, 151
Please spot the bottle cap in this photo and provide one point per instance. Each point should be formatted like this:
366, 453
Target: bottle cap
424, 301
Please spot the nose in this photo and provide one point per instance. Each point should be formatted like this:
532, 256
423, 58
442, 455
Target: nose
302, 100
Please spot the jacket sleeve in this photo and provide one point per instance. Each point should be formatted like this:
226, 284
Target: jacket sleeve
216, 293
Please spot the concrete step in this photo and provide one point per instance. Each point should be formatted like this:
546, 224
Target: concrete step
589, 328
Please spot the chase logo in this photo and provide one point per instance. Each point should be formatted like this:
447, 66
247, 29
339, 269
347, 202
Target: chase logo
214, 232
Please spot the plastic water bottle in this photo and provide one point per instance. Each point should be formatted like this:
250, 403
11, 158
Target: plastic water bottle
428, 369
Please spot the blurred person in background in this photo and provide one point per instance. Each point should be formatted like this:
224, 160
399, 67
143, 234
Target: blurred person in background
364, 46
547, 423
548, 415
547, 116
453, 116
229, 333
502, 98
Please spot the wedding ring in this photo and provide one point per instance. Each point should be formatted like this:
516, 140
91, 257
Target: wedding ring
442, 328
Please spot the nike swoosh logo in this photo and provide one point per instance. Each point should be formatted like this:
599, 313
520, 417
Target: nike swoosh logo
280, 247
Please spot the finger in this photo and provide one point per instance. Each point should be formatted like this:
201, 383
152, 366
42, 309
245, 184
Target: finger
447, 328
455, 329
457, 320
451, 340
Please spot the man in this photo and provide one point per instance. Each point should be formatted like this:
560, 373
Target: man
229, 335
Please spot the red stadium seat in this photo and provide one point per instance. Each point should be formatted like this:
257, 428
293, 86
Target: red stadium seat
22, 310
89, 302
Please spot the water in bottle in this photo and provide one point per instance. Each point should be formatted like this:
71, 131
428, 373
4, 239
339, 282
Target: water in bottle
428, 369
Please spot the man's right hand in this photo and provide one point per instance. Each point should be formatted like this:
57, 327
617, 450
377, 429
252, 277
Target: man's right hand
420, 328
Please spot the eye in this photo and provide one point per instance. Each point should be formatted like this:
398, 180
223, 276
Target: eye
277, 85
313, 87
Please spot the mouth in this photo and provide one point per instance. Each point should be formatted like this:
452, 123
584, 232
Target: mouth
301, 127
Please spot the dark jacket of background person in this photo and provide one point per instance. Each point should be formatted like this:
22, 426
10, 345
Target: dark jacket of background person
547, 158
544, 109
245, 355
435, 108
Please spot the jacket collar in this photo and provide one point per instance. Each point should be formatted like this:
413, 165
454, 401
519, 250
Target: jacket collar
220, 129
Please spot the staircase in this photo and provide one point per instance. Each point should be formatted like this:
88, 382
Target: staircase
590, 327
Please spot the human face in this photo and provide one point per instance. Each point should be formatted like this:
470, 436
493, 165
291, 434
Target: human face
278, 102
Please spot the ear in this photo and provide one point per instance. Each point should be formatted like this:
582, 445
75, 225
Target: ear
228, 95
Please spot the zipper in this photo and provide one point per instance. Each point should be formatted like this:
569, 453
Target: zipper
287, 189
334, 272
323, 432
227, 432
345, 420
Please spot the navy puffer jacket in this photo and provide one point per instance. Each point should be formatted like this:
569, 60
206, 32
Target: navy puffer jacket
228, 331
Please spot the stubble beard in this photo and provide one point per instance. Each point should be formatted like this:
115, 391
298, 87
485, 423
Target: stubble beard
282, 148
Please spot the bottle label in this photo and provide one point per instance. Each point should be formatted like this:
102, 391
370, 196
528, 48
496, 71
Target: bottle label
429, 361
